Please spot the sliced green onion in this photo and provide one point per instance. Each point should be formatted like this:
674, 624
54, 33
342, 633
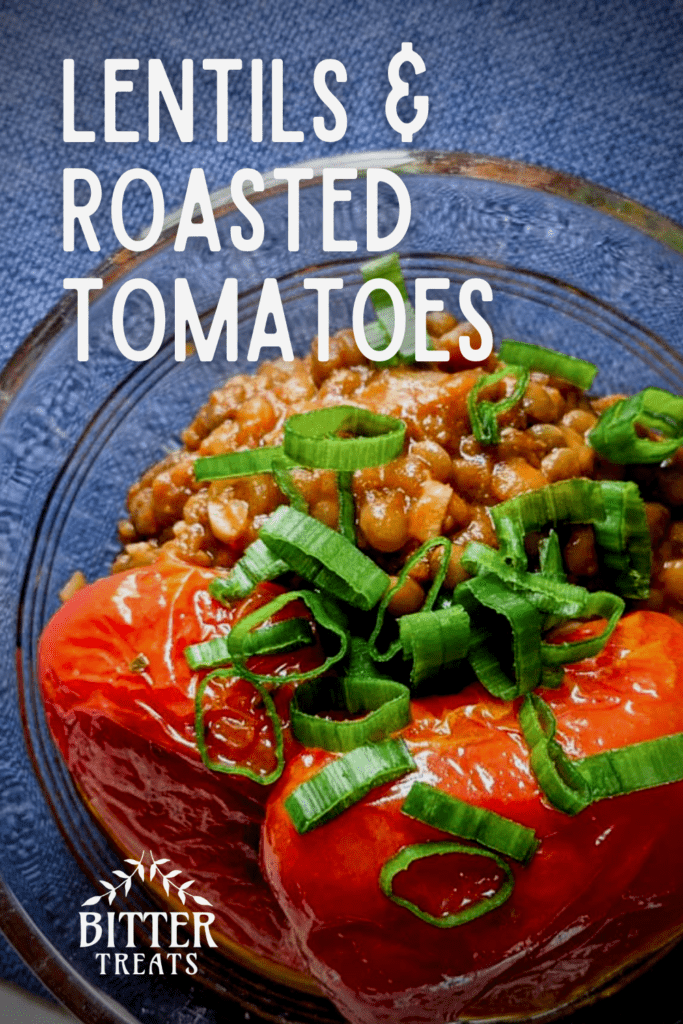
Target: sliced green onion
638, 766
550, 558
239, 769
233, 464
360, 661
483, 414
556, 364
326, 614
613, 507
310, 438
402, 860
345, 781
323, 557
433, 640
525, 625
449, 814
599, 604
256, 565
387, 702
615, 435
283, 478
560, 779
623, 538
568, 501
277, 638
377, 335
347, 507
432, 594
550, 596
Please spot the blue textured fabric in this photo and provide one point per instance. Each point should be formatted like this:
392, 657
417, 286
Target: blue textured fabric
594, 88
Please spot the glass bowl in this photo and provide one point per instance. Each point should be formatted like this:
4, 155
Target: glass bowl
573, 265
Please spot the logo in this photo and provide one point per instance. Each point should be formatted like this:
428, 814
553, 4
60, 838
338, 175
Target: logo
111, 930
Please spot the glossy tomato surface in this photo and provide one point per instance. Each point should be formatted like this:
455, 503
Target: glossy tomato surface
120, 696
604, 888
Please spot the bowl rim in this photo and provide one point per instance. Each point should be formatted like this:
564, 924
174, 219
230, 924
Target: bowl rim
73, 990
456, 163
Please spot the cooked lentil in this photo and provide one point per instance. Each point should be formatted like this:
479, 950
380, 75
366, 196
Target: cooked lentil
442, 484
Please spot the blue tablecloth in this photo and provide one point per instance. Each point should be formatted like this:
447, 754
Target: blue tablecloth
594, 88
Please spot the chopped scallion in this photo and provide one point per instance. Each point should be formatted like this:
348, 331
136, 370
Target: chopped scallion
387, 704
239, 769
557, 364
324, 557
402, 860
448, 813
345, 781
484, 414
615, 435
311, 438
560, 779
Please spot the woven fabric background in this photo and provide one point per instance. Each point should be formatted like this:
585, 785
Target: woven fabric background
593, 88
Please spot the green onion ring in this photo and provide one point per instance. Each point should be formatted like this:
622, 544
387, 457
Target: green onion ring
347, 507
278, 638
599, 604
323, 557
556, 364
310, 438
483, 414
560, 779
433, 640
282, 473
405, 857
525, 625
326, 614
387, 702
638, 766
379, 333
236, 464
256, 565
432, 594
623, 538
468, 821
345, 781
614, 436
614, 508
271, 711
550, 559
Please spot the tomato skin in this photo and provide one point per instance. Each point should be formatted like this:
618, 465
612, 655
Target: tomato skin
605, 887
128, 737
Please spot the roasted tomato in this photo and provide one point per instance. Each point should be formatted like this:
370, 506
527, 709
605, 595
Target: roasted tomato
120, 703
603, 891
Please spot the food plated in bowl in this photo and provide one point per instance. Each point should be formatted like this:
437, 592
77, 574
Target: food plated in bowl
76, 435
364, 674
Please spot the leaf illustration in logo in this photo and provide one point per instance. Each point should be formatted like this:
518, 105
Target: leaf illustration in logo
181, 896
186, 885
200, 900
121, 874
129, 860
91, 901
107, 885
111, 896
167, 886
172, 874
141, 872
126, 888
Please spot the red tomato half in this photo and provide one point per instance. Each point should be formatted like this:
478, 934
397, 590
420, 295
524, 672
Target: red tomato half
120, 703
604, 889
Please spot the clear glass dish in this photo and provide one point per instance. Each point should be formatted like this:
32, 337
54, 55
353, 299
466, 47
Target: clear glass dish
582, 269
